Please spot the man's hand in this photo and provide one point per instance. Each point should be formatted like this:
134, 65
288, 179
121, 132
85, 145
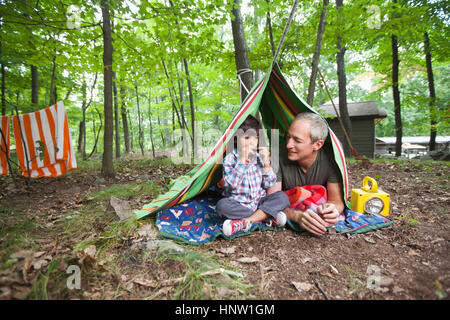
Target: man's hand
308, 220
329, 213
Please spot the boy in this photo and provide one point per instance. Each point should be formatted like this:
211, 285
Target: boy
246, 176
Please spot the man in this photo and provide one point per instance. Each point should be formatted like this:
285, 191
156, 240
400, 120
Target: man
304, 162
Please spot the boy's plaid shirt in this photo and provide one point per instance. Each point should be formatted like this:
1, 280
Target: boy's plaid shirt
246, 183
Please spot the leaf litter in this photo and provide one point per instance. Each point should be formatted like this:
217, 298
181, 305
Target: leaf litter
420, 203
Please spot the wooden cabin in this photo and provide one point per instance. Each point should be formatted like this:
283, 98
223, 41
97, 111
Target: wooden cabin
362, 116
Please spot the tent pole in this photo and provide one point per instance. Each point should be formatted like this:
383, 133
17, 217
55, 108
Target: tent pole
355, 153
286, 28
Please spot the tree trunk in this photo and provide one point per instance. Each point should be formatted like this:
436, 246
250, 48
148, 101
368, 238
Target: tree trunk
3, 91
81, 134
3, 80
174, 99
432, 111
240, 50
82, 127
116, 116
35, 86
107, 161
150, 120
191, 103
52, 83
342, 82
161, 132
130, 123
97, 135
83, 151
141, 137
123, 110
396, 94
184, 127
315, 62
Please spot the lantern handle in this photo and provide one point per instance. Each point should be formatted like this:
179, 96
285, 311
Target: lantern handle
372, 188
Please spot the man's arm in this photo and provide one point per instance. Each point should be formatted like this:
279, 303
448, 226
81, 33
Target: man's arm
335, 204
334, 193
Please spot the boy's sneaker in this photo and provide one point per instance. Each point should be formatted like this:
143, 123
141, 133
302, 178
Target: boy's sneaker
231, 227
278, 222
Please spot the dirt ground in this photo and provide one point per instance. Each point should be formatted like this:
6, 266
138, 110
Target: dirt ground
407, 260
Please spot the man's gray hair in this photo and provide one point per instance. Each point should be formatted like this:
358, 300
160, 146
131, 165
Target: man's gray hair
319, 127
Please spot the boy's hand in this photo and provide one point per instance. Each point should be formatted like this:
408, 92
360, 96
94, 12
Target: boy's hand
265, 156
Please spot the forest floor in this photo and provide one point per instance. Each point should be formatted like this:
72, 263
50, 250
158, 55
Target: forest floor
54, 228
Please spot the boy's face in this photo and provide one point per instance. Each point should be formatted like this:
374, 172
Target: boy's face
247, 144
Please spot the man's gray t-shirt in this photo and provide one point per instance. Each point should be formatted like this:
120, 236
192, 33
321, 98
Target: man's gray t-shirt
323, 170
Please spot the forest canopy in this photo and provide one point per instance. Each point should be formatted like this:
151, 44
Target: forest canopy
173, 62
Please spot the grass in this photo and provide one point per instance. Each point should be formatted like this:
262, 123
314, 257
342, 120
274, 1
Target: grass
39, 288
355, 285
405, 219
202, 276
14, 232
199, 274
126, 191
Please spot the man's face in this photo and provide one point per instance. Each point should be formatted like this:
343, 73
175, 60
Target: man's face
299, 144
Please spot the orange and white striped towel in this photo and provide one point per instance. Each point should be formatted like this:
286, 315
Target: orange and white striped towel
47, 142
4, 145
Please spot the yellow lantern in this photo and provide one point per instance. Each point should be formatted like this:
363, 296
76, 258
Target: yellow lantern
370, 199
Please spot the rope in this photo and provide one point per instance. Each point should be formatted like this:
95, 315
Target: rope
291, 16
357, 155
240, 72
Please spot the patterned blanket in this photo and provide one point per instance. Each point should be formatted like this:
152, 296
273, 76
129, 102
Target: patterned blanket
195, 222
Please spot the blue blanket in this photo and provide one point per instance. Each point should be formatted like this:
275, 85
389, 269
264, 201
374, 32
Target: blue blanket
195, 222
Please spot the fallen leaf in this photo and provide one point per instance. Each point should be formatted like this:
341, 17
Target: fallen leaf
5, 292
90, 251
248, 260
227, 251
369, 240
38, 254
302, 286
38, 264
305, 260
386, 281
120, 207
412, 252
87, 254
397, 290
334, 270
20, 292
21, 254
147, 231
146, 283
26, 267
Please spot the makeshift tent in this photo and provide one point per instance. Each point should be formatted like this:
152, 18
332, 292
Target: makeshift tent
278, 104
